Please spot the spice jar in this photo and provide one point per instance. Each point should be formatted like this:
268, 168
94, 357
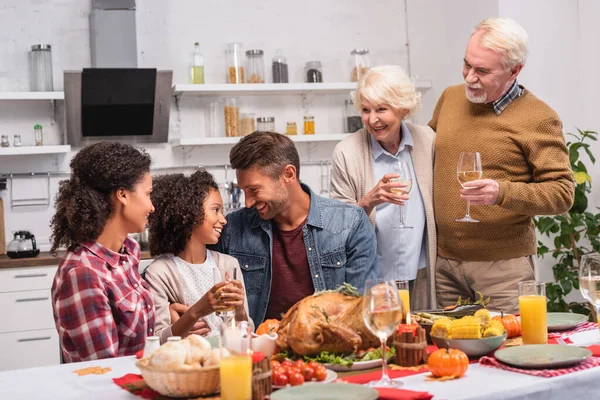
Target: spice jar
256, 66
314, 71
41, 68
360, 63
280, 68
266, 124
38, 134
248, 125
232, 116
17, 141
309, 125
291, 128
235, 63
5, 142
353, 120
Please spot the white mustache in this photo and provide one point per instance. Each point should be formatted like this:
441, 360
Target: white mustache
475, 86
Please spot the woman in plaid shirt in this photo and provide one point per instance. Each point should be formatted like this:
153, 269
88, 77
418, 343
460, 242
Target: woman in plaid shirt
102, 307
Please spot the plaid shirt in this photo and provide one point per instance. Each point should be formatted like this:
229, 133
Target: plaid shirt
102, 307
511, 95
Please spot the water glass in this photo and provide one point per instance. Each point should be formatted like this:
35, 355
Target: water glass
532, 306
589, 280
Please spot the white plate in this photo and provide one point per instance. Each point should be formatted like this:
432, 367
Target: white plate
331, 376
357, 366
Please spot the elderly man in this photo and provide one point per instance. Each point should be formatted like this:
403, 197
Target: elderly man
289, 241
525, 166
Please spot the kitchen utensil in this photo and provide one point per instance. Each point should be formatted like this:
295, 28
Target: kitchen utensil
22, 246
471, 347
542, 355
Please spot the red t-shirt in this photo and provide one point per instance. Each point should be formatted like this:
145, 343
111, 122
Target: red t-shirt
291, 279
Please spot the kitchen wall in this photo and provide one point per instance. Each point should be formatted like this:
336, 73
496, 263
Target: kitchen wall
561, 69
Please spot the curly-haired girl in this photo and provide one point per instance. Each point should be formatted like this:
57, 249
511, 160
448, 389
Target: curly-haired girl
189, 216
102, 307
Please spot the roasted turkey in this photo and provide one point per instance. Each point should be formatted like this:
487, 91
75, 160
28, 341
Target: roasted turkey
327, 321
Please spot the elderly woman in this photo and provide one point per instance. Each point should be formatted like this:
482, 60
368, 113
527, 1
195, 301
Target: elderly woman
362, 175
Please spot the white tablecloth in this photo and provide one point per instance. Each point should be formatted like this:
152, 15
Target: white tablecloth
59, 382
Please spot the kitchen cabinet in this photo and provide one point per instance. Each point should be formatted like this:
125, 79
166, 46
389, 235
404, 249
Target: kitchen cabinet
28, 337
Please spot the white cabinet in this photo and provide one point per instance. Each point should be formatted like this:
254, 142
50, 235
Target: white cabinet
28, 337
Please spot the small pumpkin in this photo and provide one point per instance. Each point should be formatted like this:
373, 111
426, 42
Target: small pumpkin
267, 327
511, 324
448, 363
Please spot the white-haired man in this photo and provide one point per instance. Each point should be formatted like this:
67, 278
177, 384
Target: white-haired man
525, 166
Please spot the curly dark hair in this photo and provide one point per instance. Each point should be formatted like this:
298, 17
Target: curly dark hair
270, 151
179, 207
83, 202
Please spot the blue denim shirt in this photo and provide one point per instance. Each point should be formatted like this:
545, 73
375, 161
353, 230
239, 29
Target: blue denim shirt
340, 247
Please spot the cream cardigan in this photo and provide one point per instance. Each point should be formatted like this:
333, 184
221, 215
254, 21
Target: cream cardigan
163, 279
352, 177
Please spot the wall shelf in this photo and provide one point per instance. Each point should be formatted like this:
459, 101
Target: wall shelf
260, 89
204, 141
32, 96
28, 150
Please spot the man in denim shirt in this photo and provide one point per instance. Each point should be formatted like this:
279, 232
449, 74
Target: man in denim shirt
289, 241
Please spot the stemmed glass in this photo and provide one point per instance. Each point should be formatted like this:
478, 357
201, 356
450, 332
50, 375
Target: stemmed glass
401, 168
228, 314
589, 280
382, 313
468, 169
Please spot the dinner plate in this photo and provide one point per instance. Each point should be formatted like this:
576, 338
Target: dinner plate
538, 356
357, 366
328, 391
561, 321
331, 376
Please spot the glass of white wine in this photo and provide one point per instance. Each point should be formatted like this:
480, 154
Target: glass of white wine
589, 280
382, 313
403, 169
228, 314
468, 169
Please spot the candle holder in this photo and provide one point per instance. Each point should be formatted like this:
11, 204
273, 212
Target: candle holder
410, 342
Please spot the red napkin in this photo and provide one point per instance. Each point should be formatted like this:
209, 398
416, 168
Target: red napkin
373, 376
595, 349
402, 394
135, 384
591, 362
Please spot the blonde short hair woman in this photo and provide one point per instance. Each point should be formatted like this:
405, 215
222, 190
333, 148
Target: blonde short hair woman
386, 97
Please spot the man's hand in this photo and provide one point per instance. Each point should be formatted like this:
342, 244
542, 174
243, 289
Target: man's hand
482, 192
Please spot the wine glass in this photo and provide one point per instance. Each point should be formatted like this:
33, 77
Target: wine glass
230, 274
468, 169
589, 279
401, 168
382, 313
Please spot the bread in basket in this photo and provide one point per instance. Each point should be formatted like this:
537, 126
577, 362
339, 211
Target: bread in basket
187, 368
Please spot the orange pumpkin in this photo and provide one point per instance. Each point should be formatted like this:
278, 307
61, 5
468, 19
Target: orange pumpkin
448, 363
270, 325
511, 324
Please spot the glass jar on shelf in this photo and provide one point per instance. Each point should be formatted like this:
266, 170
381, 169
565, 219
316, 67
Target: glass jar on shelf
280, 68
266, 124
353, 120
359, 63
256, 66
291, 128
309, 125
214, 119
38, 134
235, 63
232, 116
197, 69
5, 142
41, 68
248, 123
314, 71
17, 141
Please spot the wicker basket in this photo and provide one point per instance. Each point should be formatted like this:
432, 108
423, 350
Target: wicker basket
180, 383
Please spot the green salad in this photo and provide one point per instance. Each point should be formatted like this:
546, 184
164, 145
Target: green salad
326, 357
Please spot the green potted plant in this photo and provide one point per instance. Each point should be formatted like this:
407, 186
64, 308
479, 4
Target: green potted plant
574, 233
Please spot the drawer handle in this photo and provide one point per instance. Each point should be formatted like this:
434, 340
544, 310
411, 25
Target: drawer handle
33, 339
32, 299
30, 275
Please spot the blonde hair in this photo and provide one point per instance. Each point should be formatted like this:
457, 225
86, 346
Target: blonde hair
506, 37
387, 84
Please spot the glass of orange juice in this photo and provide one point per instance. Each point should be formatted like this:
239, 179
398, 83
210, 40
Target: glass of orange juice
236, 361
404, 294
532, 305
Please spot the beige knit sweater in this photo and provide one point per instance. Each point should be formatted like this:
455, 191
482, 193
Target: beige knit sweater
523, 149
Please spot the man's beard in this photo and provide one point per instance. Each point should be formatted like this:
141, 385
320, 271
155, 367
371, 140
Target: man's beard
479, 99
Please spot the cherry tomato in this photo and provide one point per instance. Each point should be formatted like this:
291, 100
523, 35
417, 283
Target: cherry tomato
286, 363
299, 364
296, 379
275, 364
279, 378
308, 373
294, 370
320, 373
314, 364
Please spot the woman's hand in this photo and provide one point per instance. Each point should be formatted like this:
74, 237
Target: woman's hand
176, 310
382, 193
232, 295
199, 328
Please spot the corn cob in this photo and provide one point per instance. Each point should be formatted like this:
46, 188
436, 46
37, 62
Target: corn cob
494, 328
441, 328
484, 316
466, 328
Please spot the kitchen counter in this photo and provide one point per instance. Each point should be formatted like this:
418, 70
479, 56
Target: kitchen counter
43, 259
